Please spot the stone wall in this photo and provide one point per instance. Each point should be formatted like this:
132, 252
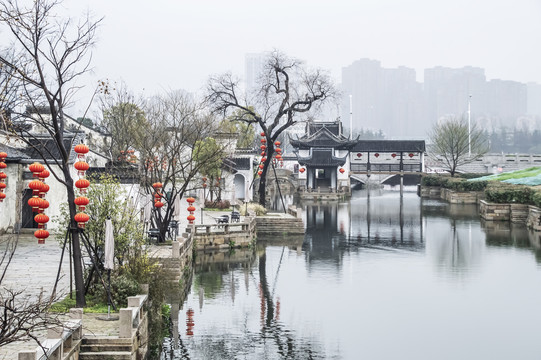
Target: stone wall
461, 197
534, 218
232, 235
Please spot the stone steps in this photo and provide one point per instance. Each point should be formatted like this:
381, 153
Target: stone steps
106, 348
268, 225
109, 355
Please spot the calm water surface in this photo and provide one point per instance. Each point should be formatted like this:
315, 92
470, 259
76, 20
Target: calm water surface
374, 278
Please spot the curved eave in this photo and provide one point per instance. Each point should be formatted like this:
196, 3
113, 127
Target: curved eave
333, 161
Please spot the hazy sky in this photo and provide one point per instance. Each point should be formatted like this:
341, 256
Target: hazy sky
171, 44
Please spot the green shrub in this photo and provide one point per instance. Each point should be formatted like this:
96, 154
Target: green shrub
434, 180
507, 193
453, 183
122, 286
217, 204
468, 176
536, 198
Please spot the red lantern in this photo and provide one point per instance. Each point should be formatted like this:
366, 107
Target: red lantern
263, 140
35, 203
3, 165
2, 176
259, 172
82, 184
35, 185
278, 156
263, 147
81, 150
278, 150
81, 202
3, 156
262, 153
157, 185
41, 234
393, 155
204, 185
81, 167
301, 170
43, 205
262, 133
44, 190
191, 208
261, 166
410, 155
2, 196
81, 219
359, 155
277, 143
36, 168
44, 174
204, 179
190, 200
191, 218
342, 170
376, 154
41, 219
158, 204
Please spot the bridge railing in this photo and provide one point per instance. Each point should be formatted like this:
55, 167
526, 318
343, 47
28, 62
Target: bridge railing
377, 167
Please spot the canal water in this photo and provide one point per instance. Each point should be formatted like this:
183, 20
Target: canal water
377, 277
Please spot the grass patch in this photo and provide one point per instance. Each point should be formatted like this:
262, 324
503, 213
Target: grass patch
64, 305
514, 175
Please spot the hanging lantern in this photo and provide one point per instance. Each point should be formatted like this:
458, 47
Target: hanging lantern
263, 140
81, 219
259, 172
277, 143
3, 156
36, 168
41, 219
35, 185
342, 170
359, 155
263, 147
81, 150
301, 170
35, 203
82, 184
43, 205
278, 150
262, 153
278, 156
157, 185
3, 176
157, 196
44, 174
44, 190
262, 133
158, 204
41, 234
393, 155
410, 155
191, 208
3, 165
190, 200
81, 202
261, 166
81, 167
204, 185
2, 196
376, 154
191, 218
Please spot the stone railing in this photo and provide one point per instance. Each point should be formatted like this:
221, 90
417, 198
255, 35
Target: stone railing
63, 341
223, 236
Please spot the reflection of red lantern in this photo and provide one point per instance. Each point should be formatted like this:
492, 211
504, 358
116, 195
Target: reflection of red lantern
41, 235
301, 170
393, 155
410, 155
342, 170
81, 202
376, 154
81, 219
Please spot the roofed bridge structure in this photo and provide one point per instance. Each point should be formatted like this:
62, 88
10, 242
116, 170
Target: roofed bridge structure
329, 158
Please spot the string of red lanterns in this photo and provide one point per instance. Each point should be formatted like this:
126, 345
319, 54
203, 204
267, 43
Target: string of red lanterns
191, 210
37, 202
82, 184
157, 194
3, 175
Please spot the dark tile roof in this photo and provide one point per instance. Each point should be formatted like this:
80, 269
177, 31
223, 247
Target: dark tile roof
14, 155
389, 146
323, 138
322, 157
242, 163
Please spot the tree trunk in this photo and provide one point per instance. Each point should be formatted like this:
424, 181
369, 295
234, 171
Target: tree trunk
75, 243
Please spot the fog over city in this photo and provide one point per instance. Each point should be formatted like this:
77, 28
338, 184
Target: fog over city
163, 45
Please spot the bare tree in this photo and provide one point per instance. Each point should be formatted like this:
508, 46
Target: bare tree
452, 141
287, 91
172, 151
52, 54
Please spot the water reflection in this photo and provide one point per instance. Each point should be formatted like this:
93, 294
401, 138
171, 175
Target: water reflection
333, 293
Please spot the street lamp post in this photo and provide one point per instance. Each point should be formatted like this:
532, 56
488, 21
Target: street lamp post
469, 126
